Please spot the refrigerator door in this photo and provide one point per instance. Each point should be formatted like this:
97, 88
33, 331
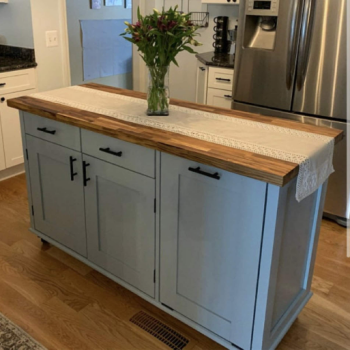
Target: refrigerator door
338, 195
321, 75
266, 56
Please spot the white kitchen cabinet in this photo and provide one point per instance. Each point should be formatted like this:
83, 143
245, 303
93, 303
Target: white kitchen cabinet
214, 86
13, 84
219, 98
211, 237
202, 83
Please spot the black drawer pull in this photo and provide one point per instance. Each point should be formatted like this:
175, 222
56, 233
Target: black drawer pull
222, 79
72, 173
52, 132
228, 96
2, 84
202, 69
86, 179
198, 170
108, 150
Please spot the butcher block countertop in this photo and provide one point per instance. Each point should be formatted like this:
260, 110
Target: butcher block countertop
267, 169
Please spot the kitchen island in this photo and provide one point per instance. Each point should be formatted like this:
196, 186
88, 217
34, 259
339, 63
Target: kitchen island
211, 234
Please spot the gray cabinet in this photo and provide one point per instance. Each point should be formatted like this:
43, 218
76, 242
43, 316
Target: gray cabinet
58, 199
120, 222
211, 233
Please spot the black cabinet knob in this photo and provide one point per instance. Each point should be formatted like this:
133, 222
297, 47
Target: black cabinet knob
3, 99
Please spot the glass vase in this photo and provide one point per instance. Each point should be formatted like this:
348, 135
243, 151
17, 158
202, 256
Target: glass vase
158, 91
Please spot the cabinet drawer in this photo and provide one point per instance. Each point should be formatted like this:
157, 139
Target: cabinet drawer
220, 78
19, 80
219, 98
53, 131
125, 154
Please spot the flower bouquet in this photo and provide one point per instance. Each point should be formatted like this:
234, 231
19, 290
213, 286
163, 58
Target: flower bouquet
159, 37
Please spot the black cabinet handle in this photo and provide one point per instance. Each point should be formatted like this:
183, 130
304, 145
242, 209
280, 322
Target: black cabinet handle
202, 69
72, 173
228, 96
222, 79
52, 132
108, 150
2, 84
86, 179
198, 170
3, 99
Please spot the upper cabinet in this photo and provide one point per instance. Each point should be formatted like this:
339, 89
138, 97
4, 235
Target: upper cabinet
221, 2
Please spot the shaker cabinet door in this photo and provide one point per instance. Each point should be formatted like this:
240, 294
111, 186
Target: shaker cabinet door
58, 196
120, 222
210, 237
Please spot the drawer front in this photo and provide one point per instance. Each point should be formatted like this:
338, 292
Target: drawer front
219, 98
125, 154
220, 78
16, 81
53, 131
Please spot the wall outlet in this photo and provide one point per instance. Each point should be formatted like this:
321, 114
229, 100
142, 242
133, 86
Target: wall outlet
51, 38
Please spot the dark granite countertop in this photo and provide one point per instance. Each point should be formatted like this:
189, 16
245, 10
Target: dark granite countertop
15, 58
217, 60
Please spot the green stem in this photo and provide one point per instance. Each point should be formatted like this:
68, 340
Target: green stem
158, 102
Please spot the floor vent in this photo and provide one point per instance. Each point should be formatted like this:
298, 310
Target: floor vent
159, 330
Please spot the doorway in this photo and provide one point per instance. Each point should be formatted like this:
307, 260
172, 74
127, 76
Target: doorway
96, 51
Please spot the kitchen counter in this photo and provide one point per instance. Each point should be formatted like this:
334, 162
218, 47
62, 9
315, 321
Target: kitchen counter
217, 60
16, 58
210, 234
246, 163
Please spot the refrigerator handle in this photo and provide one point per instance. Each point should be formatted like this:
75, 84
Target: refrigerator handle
293, 41
306, 30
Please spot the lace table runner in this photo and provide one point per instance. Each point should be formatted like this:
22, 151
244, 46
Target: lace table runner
313, 152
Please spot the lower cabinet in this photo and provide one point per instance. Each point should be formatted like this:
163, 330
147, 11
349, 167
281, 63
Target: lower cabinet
120, 222
211, 232
57, 195
219, 98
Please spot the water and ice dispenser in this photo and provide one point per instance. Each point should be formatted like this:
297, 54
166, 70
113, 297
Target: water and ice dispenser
261, 24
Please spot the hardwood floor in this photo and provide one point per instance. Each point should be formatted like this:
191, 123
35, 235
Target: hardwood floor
64, 304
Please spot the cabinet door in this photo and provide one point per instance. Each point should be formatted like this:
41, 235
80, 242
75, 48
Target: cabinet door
219, 98
58, 201
211, 231
202, 83
11, 131
120, 223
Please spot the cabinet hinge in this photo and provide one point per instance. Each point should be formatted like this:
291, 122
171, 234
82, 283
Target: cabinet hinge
33, 210
154, 276
27, 154
155, 205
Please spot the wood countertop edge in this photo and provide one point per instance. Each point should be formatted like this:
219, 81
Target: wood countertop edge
245, 167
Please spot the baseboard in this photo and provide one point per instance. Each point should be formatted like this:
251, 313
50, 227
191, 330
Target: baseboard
11, 172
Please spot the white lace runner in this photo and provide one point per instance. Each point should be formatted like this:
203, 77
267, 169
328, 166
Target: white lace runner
313, 152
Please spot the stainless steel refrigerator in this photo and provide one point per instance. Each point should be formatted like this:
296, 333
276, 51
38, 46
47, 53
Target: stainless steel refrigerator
291, 63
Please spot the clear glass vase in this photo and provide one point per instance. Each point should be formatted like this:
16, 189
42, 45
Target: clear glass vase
158, 91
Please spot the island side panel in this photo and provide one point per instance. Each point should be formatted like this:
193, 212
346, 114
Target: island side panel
26, 167
289, 247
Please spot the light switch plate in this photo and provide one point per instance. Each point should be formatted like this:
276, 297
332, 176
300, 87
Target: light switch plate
51, 38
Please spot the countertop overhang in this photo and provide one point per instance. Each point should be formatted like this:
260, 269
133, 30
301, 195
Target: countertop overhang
263, 168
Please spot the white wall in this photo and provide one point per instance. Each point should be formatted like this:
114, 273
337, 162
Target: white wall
53, 66
16, 24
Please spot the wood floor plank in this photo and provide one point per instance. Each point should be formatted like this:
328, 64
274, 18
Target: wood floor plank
44, 328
